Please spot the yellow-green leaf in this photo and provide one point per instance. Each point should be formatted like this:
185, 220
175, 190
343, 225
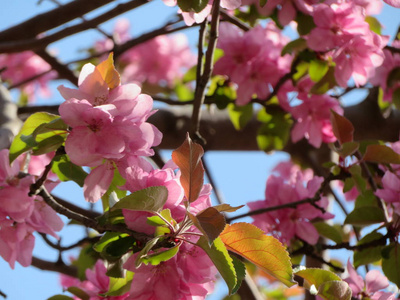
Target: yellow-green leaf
264, 251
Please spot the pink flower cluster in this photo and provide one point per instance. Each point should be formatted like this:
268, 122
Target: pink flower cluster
252, 59
391, 62
19, 67
21, 215
163, 59
107, 127
343, 34
371, 288
191, 17
96, 283
290, 184
312, 115
188, 275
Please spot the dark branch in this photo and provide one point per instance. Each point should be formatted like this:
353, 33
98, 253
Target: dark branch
33, 43
58, 267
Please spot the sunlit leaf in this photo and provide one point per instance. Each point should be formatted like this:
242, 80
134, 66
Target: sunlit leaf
374, 24
240, 270
149, 199
109, 73
328, 285
158, 257
222, 260
240, 115
264, 251
381, 154
119, 286
107, 238
149, 245
328, 231
294, 46
342, 128
318, 69
188, 159
326, 83
18, 146
334, 290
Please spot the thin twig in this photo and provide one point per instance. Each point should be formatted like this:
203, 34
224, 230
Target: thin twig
235, 21
218, 196
66, 248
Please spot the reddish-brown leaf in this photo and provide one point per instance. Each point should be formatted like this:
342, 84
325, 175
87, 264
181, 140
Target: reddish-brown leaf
342, 128
381, 154
210, 221
188, 159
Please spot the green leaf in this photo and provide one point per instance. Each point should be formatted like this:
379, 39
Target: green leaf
222, 260
374, 24
301, 70
327, 283
60, 297
334, 290
78, 292
190, 75
116, 248
366, 198
365, 215
119, 286
263, 2
264, 251
240, 115
227, 208
158, 257
391, 264
240, 270
114, 191
328, 231
348, 149
66, 170
18, 146
381, 154
318, 69
183, 92
192, 5
274, 133
149, 199
107, 238
155, 221
326, 83
143, 253
294, 46
305, 23
371, 254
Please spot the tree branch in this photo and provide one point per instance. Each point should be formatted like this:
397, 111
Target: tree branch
33, 43
206, 74
51, 19
58, 267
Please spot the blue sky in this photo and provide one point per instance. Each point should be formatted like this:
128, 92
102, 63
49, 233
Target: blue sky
240, 176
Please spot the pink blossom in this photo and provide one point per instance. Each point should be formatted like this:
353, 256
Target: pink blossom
374, 282
336, 25
289, 223
163, 59
252, 59
391, 61
25, 65
313, 119
96, 283
358, 58
394, 3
